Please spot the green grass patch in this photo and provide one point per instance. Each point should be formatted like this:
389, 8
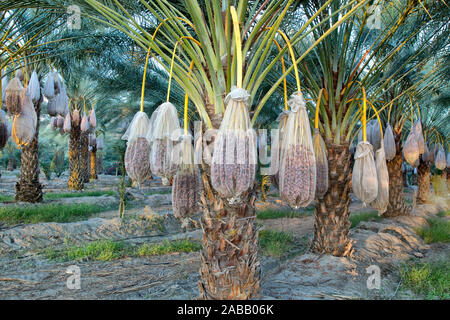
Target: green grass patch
438, 230
275, 243
432, 280
107, 250
153, 249
276, 214
443, 214
162, 191
274, 194
53, 196
6, 198
49, 212
98, 250
355, 219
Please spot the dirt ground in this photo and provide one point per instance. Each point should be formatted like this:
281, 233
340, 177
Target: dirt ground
26, 273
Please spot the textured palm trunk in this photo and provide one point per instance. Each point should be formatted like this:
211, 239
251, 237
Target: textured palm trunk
444, 177
405, 179
332, 224
75, 181
397, 205
28, 188
99, 163
93, 170
230, 265
84, 157
424, 182
11, 163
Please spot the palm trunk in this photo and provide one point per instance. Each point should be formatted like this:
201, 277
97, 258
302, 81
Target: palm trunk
230, 266
332, 224
99, 163
28, 188
424, 182
445, 181
448, 176
94, 163
75, 181
405, 179
84, 157
397, 205
11, 163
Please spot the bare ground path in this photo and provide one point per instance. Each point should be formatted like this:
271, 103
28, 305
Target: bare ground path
26, 273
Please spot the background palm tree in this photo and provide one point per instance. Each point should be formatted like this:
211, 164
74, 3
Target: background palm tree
28, 28
351, 58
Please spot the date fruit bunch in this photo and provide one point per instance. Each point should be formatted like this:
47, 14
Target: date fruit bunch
320, 151
275, 150
186, 184
166, 128
364, 177
234, 157
298, 163
137, 154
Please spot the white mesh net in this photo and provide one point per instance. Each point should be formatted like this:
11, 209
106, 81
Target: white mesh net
411, 149
297, 177
187, 183
382, 200
13, 96
137, 154
389, 143
165, 131
234, 157
419, 136
34, 87
364, 177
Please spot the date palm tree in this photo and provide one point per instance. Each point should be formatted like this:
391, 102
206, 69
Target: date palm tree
351, 59
230, 264
414, 76
435, 128
21, 33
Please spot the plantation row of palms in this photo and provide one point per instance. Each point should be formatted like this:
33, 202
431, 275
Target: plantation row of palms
343, 63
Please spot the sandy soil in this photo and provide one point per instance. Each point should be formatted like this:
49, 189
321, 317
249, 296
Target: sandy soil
26, 273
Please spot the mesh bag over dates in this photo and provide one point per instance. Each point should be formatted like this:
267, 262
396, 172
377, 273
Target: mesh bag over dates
297, 177
234, 157
187, 183
162, 136
137, 154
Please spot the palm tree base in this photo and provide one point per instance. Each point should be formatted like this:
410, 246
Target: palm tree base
93, 168
75, 182
28, 192
84, 157
230, 265
332, 224
397, 206
424, 183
